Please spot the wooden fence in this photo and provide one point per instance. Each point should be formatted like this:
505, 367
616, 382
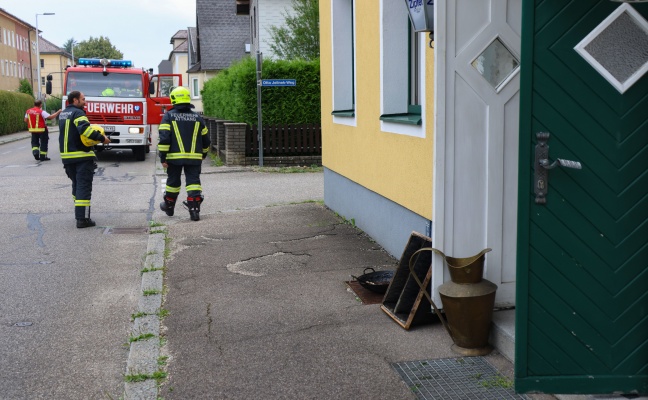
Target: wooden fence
285, 140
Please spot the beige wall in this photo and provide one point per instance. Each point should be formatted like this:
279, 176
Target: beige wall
55, 64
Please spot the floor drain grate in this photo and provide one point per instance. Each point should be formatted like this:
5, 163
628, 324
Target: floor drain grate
456, 378
131, 231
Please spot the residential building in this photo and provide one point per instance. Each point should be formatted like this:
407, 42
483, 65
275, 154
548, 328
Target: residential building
17, 52
178, 56
220, 38
54, 60
194, 76
450, 138
263, 15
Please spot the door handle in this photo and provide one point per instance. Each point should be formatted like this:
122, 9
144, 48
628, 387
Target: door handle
543, 165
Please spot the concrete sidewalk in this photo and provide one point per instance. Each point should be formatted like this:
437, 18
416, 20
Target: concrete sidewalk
258, 305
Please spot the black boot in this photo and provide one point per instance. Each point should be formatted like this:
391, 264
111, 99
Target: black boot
193, 205
85, 223
44, 158
168, 205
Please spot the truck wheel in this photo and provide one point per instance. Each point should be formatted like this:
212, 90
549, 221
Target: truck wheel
139, 153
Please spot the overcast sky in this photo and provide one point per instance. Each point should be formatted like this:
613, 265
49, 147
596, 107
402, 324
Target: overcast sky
140, 29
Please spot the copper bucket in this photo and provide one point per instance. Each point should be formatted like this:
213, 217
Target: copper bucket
468, 301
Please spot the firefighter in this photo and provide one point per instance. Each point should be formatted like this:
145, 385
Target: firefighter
183, 144
76, 138
108, 92
35, 118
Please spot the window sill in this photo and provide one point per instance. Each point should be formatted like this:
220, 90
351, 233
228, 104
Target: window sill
344, 113
408, 119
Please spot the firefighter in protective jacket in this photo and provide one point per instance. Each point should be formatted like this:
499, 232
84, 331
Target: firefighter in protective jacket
76, 138
184, 143
35, 118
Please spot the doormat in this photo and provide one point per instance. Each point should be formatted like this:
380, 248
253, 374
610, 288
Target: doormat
366, 296
456, 378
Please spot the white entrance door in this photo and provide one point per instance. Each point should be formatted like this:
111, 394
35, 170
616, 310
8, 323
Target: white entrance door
476, 136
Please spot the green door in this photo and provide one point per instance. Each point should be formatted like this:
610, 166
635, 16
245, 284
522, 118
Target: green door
582, 263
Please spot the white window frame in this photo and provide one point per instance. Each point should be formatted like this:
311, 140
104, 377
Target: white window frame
394, 68
343, 60
195, 84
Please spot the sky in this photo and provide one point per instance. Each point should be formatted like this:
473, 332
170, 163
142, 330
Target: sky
140, 29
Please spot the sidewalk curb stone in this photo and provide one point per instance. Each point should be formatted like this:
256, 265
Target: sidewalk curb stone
143, 354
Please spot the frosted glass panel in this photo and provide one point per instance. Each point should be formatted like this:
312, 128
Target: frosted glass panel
621, 48
618, 47
496, 63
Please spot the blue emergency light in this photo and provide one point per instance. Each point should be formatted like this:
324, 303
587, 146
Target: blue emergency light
105, 62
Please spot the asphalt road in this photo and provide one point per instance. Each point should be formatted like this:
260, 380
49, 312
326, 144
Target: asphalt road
67, 294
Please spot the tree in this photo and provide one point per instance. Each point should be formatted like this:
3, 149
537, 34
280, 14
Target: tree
299, 37
26, 87
67, 46
97, 48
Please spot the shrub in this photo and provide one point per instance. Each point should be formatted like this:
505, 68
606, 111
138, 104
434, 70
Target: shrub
232, 94
26, 87
12, 111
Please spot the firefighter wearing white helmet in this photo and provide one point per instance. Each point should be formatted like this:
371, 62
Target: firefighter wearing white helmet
76, 138
183, 144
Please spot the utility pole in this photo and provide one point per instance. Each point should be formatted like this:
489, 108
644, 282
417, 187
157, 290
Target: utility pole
38, 61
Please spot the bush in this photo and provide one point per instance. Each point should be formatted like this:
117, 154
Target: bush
26, 87
12, 111
232, 94
53, 104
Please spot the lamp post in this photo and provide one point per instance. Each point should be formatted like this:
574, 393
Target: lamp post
38, 61
72, 48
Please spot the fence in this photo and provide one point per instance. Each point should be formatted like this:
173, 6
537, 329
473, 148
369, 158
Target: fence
285, 140
283, 145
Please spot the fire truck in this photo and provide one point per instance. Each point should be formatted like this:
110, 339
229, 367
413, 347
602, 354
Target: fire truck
126, 101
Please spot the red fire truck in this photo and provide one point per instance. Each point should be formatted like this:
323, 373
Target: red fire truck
126, 101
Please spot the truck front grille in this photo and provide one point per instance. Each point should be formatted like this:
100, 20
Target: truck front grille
105, 119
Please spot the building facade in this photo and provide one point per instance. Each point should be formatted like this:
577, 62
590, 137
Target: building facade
17, 52
265, 14
54, 60
523, 130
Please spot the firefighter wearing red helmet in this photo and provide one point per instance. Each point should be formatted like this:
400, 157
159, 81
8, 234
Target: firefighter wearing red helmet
183, 144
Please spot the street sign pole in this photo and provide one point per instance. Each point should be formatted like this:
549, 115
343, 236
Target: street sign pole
259, 63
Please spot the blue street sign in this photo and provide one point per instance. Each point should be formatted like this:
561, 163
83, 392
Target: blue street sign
278, 82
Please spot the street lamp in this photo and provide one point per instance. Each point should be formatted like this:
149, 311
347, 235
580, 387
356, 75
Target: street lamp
72, 47
38, 61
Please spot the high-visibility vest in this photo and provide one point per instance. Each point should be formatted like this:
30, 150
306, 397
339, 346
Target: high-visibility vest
36, 123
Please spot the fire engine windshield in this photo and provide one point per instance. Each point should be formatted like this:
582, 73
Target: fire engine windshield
95, 84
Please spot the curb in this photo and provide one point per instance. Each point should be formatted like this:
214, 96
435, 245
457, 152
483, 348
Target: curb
144, 354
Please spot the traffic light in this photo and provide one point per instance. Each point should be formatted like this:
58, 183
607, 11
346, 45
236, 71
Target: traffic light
48, 84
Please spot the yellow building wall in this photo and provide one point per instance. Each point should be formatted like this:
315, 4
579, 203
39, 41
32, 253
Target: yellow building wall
396, 166
54, 64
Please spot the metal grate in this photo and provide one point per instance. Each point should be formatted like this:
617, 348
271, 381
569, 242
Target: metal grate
465, 378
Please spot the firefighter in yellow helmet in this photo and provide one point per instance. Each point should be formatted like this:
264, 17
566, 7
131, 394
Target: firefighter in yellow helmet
76, 136
183, 144
108, 92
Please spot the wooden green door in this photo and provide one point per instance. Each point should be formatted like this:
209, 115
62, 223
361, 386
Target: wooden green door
582, 264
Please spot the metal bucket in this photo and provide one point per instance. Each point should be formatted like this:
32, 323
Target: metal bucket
468, 302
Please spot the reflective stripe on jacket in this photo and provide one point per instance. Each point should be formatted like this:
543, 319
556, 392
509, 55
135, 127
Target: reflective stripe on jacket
183, 136
36, 122
73, 123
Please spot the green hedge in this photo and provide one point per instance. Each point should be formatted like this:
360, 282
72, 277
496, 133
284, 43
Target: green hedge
12, 111
232, 94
